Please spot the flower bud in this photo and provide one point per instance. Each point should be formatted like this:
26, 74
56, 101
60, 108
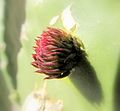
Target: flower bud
56, 53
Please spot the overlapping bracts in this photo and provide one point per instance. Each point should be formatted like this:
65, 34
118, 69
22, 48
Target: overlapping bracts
56, 53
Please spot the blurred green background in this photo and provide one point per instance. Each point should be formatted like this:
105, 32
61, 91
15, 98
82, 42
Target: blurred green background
99, 29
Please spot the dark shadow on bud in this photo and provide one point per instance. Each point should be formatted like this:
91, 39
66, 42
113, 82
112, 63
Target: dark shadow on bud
117, 89
85, 79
